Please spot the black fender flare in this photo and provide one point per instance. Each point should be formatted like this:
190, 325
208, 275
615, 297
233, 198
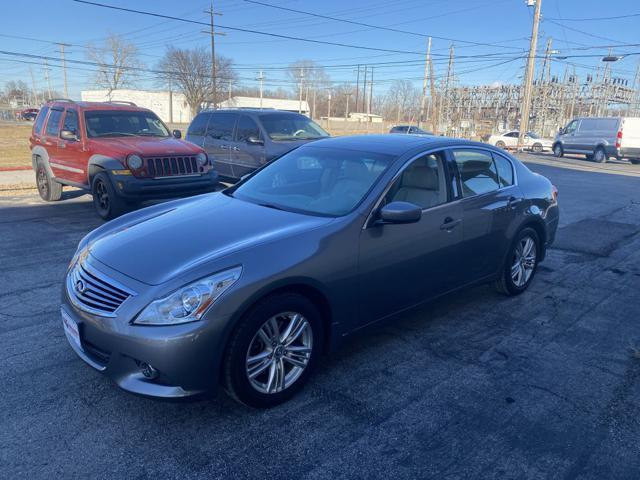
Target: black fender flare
99, 163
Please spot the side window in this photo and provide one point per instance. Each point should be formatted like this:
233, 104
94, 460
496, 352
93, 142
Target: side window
512, 134
53, 124
505, 170
477, 172
199, 124
246, 128
422, 183
571, 127
221, 126
71, 122
37, 127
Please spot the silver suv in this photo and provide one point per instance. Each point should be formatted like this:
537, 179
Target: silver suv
240, 141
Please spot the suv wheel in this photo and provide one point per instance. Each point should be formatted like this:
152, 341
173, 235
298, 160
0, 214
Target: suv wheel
107, 203
274, 351
599, 155
557, 150
48, 188
522, 263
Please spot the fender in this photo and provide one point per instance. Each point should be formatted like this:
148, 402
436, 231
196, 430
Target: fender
39, 152
99, 162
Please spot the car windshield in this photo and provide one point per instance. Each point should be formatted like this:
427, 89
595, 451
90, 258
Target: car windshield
315, 180
122, 123
533, 135
291, 127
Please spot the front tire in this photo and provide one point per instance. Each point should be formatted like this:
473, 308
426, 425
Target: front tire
107, 203
48, 188
599, 155
537, 148
558, 151
500, 144
522, 263
274, 350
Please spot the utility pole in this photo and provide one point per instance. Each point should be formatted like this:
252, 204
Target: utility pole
328, 109
46, 76
370, 95
33, 87
423, 103
300, 85
364, 88
531, 64
434, 98
346, 110
170, 100
212, 32
261, 80
357, 87
64, 68
545, 76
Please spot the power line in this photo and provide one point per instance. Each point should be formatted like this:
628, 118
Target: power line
593, 19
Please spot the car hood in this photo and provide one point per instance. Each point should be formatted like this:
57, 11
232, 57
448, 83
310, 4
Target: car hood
167, 242
145, 146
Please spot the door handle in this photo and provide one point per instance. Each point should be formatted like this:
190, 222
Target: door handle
513, 202
224, 147
62, 145
449, 224
235, 149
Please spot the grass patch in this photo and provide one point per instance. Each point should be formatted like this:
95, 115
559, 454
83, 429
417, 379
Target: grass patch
14, 145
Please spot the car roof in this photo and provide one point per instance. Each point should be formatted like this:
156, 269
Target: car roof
393, 144
254, 111
97, 105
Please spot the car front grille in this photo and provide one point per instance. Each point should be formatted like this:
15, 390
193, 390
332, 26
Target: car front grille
172, 166
93, 292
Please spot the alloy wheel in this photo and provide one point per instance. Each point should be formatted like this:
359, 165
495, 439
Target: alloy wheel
43, 182
279, 352
524, 261
102, 196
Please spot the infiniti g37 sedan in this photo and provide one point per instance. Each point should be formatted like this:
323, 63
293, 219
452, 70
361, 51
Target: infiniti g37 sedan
248, 287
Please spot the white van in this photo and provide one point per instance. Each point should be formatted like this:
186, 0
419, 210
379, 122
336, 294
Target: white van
600, 138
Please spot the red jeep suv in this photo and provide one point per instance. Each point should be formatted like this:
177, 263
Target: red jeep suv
123, 154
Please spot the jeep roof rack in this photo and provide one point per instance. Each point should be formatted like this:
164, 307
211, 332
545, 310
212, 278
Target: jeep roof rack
123, 102
61, 100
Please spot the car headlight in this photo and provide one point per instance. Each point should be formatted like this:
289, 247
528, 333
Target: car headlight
134, 162
189, 303
201, 158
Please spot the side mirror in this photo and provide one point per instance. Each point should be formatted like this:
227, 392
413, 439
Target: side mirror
69, 135
561, 131
177, 134
400, 212
255, 141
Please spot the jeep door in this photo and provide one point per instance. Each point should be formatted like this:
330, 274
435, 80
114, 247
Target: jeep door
71, 153
247, 148
217, 141
49, 140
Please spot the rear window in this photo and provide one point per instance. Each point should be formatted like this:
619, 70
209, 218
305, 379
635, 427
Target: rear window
53, 124
199, 124
37, 126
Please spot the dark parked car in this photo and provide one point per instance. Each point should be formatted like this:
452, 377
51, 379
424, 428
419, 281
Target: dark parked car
242, 140
249, 286
409, 130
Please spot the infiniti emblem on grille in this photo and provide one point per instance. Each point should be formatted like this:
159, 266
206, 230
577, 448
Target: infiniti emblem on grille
80, 286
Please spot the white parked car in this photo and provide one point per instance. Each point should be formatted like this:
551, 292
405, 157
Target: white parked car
510, 140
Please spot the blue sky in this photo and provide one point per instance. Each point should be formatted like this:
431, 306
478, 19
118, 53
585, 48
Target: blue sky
505, 23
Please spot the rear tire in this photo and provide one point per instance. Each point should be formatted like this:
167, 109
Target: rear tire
558, 151
537, 148
106, 201
599, 155
521, 264
48, 188
248, 341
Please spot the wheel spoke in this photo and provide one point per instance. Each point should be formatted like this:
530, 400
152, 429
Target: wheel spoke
294, 361
281, 376
258, 369
293, 322
272, 377
295, 334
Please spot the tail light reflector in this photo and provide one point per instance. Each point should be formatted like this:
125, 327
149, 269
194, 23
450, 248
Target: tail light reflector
619, 139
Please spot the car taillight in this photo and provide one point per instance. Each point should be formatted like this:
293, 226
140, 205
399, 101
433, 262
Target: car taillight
619, 139
554, 193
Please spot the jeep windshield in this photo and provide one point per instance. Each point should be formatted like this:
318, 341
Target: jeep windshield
291, 127
122, 123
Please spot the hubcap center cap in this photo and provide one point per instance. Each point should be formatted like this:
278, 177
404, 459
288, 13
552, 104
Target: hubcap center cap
279, 351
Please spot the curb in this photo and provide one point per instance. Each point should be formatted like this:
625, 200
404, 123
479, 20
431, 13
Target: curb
14, 169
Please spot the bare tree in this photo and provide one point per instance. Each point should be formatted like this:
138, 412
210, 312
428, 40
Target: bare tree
117, 62
314, 81
402, 101
189, 70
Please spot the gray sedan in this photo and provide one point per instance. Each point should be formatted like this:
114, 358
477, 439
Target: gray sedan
248, 287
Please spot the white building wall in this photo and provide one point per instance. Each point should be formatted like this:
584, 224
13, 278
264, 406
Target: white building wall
157, 101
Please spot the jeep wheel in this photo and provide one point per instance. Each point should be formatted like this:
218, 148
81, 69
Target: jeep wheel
107, 203
48, 188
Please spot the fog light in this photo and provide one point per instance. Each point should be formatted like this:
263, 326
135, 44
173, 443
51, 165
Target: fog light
148, 371
120, 185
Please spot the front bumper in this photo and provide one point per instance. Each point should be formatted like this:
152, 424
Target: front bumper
185, 356
134, 188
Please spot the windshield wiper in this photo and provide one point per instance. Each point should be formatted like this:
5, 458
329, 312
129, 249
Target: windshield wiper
124, 134
271, 205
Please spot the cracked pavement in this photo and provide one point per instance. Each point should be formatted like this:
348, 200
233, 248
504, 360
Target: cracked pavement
474, 385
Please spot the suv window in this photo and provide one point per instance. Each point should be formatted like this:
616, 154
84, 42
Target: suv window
477, 172
282, 126
53, 124
37, 127
71, 121
221, 125
246, 128
505, 170
422, 183
199, 124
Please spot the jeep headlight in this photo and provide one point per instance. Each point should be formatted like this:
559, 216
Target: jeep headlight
134, 162
189, 303
201, 158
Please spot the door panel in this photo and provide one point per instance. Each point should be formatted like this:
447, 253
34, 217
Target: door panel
217, 142
245, 156
71, 154
50, 142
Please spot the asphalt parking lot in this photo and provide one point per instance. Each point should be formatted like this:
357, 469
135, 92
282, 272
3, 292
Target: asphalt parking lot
475, 385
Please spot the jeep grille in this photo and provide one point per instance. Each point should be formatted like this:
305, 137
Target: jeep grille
172, 166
